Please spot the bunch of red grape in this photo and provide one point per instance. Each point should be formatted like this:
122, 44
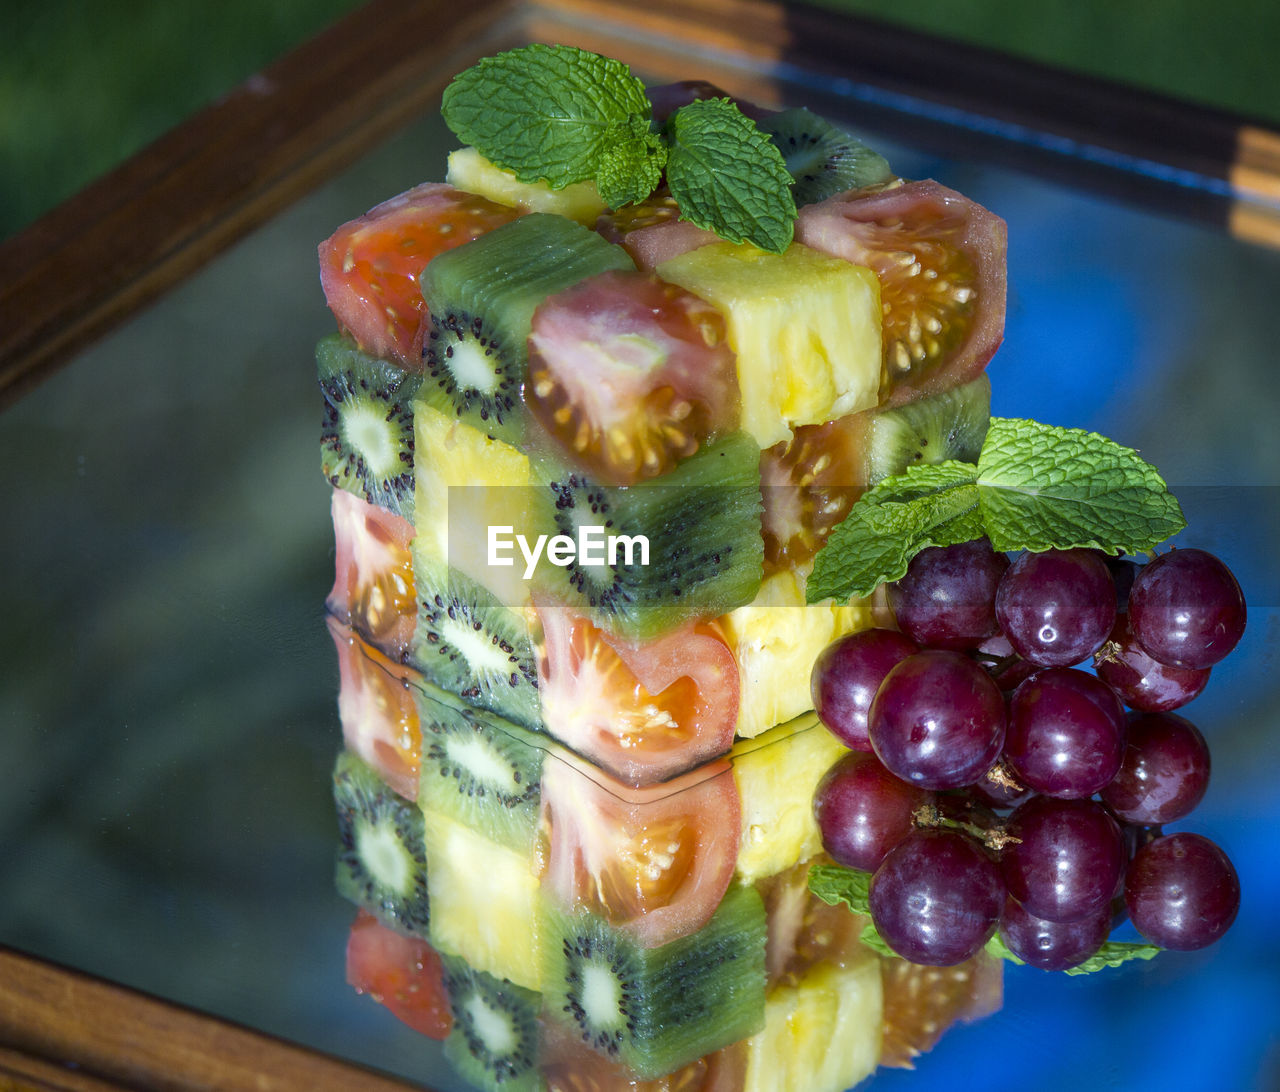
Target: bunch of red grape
995, 782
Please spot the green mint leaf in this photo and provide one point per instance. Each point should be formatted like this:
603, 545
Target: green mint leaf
728, 177
631, 168
998, 949
929, 505
835, 884
1113, 953
1056, 488
1035, 487
545, 113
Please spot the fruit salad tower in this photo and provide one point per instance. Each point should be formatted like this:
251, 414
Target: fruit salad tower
590, 416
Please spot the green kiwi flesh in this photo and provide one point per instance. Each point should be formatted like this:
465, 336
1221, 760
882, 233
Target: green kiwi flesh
823, 159
482, 296
366, 439
656, 1009
702, 525
481, 770
949, 425
471, 645
382, 858
494, 1041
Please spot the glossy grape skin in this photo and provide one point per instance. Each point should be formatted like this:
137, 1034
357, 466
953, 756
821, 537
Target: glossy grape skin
1182, 892
1053, 945
1165, 771
1068, 859
1186, 609
947, 597
1057, 607
863, 811
846, 676
1142, 682
937, 721
1066, 733
936, 898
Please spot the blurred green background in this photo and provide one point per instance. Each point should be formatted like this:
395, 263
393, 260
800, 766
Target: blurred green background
85, 83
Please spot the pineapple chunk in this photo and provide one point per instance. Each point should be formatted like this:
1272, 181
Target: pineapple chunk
806, 328
775, 639
776, 775
469, 170
484, 901
821, 1035
468, 482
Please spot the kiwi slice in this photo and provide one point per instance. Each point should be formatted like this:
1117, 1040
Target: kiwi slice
949, 425
651, 556
656, 1009
482, 296
382, 857
494, 1043
366, 440
481, 770
470, 645
823, 159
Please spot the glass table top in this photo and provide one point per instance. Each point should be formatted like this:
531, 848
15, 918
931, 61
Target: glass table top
168, 717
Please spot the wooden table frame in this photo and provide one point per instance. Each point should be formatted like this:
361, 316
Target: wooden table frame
126, 238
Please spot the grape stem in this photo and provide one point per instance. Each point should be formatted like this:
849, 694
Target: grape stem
995, 838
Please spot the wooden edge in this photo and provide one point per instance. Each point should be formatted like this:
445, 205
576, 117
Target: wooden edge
62, 1031
119, 243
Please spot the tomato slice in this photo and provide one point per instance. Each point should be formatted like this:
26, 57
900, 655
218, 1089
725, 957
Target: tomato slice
630, 374
651, 230
404, 974
373, 586
941, 262
641, 712
378, 713
369, 267
654, 861
920, 1002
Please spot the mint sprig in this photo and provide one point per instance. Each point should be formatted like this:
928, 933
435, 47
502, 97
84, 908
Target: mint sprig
837, 885
1034, 487
561, 115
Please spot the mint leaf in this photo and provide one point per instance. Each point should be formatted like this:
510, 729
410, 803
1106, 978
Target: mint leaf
1035, 487
835, 884
1113, 953
728, 177
1056, 488
545, 113
631, 168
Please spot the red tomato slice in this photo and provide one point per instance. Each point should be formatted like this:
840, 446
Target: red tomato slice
654, 861
941, 262
379, 716
369, 267
373, 587
404, 974
630, 374
643, 713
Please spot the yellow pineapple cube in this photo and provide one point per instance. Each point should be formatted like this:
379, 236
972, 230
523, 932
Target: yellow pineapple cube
775, 639
468, 170
484, 901
806, 328
776, 774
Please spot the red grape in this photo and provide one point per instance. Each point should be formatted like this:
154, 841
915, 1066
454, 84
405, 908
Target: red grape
1141, 682
1057, 607
846, 676
863, 811
1053, 945
1165, 771
1182, 891
947, 597
1186, 609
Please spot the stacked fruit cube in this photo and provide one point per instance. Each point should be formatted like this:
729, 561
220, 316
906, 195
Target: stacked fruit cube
582, 460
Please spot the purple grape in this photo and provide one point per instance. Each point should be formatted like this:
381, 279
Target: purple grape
863, 811
1182, 892
846, 676
1066, 733
937, 720
1141, 682
1057, 607
947, 597
936, 897
1186, 609
1067, 861
1053, 945
1165, 771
